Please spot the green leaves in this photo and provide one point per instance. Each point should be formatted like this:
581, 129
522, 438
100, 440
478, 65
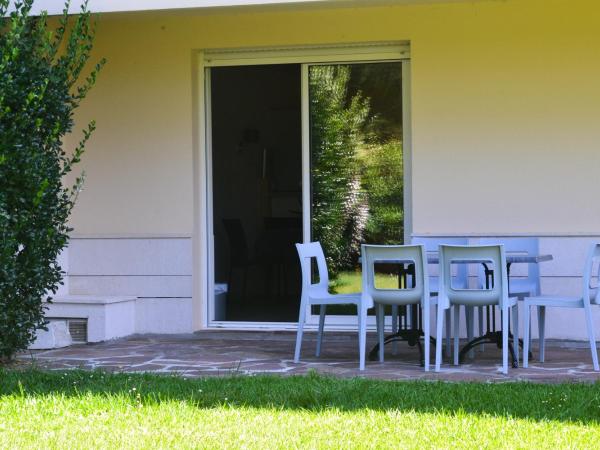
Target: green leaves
336, 136
40, 69
382, 179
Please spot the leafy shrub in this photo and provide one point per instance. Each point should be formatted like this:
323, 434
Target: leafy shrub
337, 120
40, 69
383, 182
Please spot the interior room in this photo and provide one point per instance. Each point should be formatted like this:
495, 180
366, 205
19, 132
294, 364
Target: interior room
256, 185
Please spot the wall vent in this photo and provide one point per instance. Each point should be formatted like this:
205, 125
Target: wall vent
78, 330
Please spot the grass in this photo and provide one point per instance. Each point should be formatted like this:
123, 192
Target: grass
348, 282
351, 281
97, 410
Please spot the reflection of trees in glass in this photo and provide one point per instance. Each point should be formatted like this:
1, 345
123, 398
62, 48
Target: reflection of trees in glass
357, 185
382, 180
382, 83
336, 136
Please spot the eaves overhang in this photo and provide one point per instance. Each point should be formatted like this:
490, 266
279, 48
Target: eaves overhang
55, 7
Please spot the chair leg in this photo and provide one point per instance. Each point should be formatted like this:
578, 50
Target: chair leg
427, 333
542, 331
268, 281
245, 283
527, 331
528, 325
448, 331
229, 279
592, 337
439, 325
380, 316
301, 320
285, 285
505, 341
515, 326
322, 312
395, 313
362, 335
470, 321
481, 325
456, 333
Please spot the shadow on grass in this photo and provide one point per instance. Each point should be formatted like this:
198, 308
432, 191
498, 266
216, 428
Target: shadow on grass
562, 402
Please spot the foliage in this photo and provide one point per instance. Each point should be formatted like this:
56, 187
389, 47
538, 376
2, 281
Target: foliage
336, 126
357, 162
79, 409
382, 82
382, 180
40, 71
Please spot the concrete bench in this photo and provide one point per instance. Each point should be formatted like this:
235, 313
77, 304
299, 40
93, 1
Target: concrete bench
104, 318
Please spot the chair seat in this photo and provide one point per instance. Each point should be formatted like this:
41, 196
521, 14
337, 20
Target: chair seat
335, 299
512, 301
564, 302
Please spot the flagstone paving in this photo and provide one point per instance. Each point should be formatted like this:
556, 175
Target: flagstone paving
222, 353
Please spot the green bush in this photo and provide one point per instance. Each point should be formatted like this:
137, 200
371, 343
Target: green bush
40, 71
337, 120
382, 179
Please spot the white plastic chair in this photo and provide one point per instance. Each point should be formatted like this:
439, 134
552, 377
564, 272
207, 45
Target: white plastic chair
461, 277
450, 295
414, 295
318, 294
590, 295
517, 287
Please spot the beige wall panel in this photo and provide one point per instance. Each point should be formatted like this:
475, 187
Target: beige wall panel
130, 257
145, 286
506, 102
160, 315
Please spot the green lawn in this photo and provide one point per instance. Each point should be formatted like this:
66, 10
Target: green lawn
348, 282
96, 410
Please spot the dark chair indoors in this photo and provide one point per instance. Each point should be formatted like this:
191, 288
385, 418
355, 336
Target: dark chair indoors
239, 256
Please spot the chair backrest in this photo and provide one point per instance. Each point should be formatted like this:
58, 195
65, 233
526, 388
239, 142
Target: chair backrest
591, 293
519, 245
238, 247
408, 254
432, 245
492, 255
306, 253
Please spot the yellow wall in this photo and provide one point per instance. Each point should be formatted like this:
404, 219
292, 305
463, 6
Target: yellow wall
505, 107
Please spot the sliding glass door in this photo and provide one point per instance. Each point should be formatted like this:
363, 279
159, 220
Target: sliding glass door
356, 166
300, 151
256, 163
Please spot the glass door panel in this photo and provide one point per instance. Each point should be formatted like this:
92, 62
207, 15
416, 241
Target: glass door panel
256, 164
356, 166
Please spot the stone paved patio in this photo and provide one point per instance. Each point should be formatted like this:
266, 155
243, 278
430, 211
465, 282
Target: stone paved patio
221, 353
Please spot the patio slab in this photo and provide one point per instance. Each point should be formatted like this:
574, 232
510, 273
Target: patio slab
223, 353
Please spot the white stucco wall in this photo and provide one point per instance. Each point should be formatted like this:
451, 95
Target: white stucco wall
505, 101
505, 104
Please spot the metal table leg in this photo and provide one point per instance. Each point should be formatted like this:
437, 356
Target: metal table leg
492, 336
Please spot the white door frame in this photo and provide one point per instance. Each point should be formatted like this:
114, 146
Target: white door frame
203, 240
